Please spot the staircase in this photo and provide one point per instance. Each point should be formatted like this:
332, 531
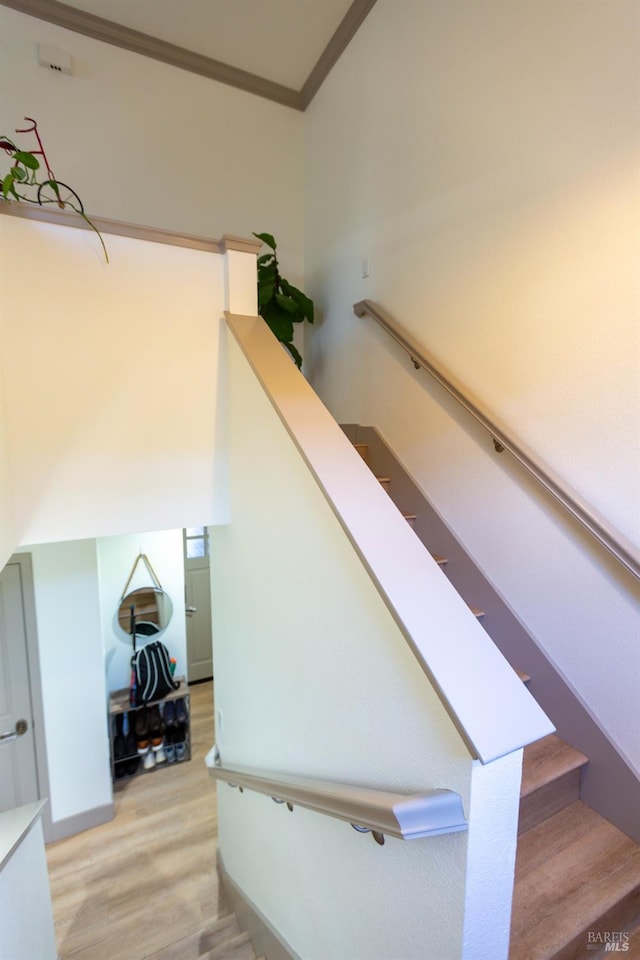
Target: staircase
577, 878
223, 940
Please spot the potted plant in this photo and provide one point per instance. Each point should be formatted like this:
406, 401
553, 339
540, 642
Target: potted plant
22, 181
279, 302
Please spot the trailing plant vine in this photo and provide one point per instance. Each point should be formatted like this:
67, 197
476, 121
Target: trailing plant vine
280, 304
22, 182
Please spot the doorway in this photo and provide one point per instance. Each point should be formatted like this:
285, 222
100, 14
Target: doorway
21, 719
198, 604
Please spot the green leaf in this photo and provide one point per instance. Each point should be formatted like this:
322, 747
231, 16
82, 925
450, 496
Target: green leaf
265, 293
295, 354
7, 186
267, 239
26, 159
279, 322
267, 273
19, 173
289, 306
304, 303
266, 258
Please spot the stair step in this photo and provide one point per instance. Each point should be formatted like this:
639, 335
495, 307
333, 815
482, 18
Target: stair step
410, 518
550, 779
478, 614
194, 946
235, 948
526, 679
363, 450
441, 561
384, 482
575, 873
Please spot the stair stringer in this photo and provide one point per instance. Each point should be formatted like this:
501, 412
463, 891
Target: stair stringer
609, 784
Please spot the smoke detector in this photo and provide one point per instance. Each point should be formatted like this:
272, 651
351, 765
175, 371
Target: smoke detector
53, 58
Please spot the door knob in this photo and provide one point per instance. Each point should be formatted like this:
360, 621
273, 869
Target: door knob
21, 728
190, 611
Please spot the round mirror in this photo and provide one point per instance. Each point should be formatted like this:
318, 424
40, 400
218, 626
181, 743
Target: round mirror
147, 609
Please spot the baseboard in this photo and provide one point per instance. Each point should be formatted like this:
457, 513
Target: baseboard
266, 940
61, 829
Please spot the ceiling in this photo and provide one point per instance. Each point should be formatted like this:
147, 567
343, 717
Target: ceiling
288, 44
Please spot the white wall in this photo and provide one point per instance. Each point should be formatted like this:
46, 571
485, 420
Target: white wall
25, 901
7, 526
148, 143
492, 181
74, 693
314, 677
116, 556
84, 655
110, 381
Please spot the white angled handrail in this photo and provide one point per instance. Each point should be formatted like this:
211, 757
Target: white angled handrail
407, 817
611, 539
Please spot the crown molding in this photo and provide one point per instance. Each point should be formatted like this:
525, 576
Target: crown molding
346, 31
99, 28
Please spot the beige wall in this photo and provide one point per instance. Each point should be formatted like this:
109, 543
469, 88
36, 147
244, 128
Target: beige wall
151, 144
491, 178
74, 693
7, 525
315, 678
110, 379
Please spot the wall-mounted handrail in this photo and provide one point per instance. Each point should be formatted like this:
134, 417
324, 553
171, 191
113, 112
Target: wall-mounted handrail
611, 539
407, 817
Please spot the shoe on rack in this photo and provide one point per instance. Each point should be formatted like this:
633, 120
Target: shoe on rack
159, 753
169, 713
119, 748
170, 736
141, 728
181, 752
132, 760
155, 725
148, 759
181, 711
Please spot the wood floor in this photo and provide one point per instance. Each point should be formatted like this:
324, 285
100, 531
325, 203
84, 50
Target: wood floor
132, 888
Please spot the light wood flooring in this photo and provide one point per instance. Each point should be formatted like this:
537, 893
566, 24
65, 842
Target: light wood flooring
132, 888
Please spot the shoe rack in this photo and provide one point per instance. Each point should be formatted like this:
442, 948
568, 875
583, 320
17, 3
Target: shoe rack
158, 732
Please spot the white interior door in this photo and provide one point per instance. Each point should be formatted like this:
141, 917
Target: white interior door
18, 770
198, 604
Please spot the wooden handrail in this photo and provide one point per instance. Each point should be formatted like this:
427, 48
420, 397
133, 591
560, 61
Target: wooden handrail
407, 817
611, 539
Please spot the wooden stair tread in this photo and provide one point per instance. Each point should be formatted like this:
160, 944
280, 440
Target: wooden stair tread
546, 760
235, 948
551, 774
478, 614
441, 561
574, 872
523, 676
203, 941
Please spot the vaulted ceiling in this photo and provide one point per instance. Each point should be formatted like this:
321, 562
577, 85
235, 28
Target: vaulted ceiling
281, 49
